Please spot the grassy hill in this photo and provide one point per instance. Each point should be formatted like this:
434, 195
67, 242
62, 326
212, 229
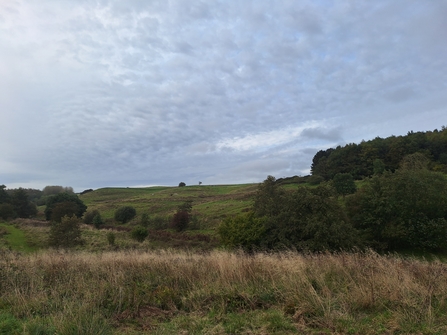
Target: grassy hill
210, 203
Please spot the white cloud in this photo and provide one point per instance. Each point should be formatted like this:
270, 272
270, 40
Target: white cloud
266, 140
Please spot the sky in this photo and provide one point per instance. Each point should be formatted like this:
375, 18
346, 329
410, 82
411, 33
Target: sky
139, 92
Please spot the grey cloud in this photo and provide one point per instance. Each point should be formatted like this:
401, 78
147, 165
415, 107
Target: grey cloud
137, 91
332, 134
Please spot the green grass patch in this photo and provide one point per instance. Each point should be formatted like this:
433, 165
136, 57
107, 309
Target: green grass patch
15, 239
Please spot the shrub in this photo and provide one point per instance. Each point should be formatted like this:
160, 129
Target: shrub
158, 222
315, 180
139, 233
111, 238
66, 233
125, 214
144, 220
97, 221
180, 220
181, 184
89, 215
243, 231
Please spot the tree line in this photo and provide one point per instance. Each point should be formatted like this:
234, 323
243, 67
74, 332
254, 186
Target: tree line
392, 210
362, 159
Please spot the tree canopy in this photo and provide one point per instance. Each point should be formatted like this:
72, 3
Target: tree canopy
77, 206
361, 160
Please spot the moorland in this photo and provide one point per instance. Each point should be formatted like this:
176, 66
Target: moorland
357, 247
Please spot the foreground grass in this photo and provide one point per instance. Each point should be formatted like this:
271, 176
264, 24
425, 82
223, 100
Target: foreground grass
168, 292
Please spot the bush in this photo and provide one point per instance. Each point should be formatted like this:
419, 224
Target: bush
89, 215
243, 231
180, 220
315, 180
97, 221
111, 238
158, 222
139, 233
145, 220
125, 214
66, 233
181, 184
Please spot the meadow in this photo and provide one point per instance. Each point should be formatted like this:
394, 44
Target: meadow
174, 292
210, 203
185, 283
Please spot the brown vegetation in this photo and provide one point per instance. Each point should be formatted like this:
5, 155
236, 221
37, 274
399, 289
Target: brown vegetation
221, 293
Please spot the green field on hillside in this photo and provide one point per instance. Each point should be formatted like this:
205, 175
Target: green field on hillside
211, 203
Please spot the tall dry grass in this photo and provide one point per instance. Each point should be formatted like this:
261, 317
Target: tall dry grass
110, 292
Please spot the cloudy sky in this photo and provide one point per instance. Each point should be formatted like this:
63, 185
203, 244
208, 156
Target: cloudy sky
141, 92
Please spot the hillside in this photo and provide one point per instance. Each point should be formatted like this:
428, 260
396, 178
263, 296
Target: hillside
210, 203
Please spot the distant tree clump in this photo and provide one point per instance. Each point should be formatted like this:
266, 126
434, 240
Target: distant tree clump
77, 207
21, 204
4, 196
61, 209
51, 190
125, 214
404, 209
7, 211
181, 184
86, 191
308, 219
360, 160
66, 233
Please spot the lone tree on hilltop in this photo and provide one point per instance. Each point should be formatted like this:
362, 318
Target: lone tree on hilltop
181, 184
